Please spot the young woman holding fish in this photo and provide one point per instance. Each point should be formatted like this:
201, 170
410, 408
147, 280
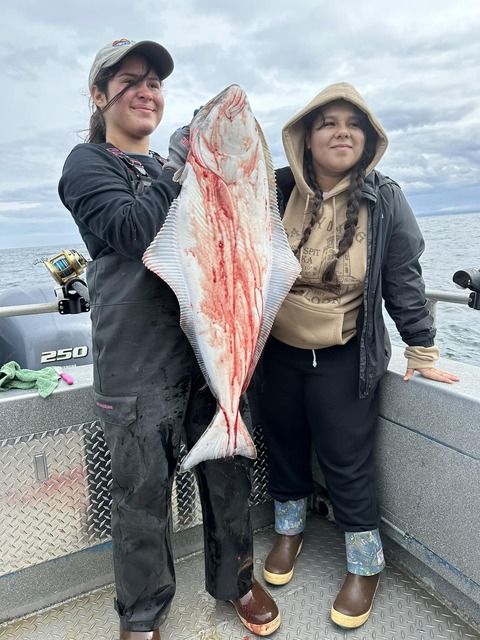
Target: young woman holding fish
358, 242
146, 377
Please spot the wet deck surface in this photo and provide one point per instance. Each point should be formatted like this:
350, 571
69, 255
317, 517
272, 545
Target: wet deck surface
402, 610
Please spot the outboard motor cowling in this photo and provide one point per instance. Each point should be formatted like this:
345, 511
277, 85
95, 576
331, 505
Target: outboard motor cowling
43, 340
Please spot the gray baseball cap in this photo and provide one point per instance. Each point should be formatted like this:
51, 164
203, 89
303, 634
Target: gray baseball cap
115, 51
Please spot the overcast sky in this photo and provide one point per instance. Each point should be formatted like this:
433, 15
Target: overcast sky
416, 62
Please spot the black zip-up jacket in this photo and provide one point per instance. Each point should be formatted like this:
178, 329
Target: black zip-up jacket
394, 275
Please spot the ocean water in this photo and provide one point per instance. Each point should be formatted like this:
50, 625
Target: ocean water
452, 243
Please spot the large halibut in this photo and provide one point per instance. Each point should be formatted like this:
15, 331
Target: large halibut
225, 254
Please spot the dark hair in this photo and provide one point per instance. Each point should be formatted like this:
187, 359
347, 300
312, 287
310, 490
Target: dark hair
97, 128
354, 193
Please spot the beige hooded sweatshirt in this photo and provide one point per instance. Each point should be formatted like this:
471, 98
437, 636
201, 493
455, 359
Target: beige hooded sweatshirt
311, 317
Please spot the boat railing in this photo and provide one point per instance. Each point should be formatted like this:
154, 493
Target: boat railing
28, 309
433, 297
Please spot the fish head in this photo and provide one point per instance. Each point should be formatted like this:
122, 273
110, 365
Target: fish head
224, 135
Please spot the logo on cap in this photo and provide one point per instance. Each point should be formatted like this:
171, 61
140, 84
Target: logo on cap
121, 43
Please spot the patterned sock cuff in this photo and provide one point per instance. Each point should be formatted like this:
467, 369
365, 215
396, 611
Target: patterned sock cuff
290, 516
364, 552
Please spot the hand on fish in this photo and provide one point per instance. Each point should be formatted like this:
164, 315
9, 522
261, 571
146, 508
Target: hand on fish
178, 148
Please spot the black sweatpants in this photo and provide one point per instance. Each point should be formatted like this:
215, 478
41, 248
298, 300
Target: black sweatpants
305, 406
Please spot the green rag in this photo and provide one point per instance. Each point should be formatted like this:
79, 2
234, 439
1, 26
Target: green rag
13, 377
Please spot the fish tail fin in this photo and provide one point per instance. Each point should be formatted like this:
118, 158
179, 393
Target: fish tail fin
218, 442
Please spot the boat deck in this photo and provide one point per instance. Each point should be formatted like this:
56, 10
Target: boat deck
403, 610
55, 544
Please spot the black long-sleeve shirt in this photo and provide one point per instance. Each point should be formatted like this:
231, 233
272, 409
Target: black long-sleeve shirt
96, 187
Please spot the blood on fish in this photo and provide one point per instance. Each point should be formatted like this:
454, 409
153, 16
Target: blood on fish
225, 254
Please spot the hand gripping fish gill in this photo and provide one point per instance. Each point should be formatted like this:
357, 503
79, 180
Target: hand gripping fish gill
224, 252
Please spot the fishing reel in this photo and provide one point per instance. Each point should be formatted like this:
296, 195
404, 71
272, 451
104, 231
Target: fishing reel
469, 279
65, 268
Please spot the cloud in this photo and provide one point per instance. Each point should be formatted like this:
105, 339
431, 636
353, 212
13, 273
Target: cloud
416, 63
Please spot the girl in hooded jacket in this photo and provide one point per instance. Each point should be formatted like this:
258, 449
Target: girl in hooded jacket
358, 243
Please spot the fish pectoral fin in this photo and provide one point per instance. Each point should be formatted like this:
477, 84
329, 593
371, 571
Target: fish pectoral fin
218, 442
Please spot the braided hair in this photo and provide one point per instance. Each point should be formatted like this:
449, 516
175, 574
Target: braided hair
354, 194
317, 200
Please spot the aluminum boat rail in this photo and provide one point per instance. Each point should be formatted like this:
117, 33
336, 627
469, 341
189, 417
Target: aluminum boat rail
433, 296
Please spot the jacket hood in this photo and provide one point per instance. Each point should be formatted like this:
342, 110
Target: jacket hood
293, 133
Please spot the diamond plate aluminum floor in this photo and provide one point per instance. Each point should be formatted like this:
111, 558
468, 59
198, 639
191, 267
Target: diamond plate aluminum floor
402, 609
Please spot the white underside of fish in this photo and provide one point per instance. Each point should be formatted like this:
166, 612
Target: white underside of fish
224, 252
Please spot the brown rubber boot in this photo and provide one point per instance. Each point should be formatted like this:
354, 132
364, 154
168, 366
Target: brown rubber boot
258, 610
354, 602
139, 635
278, 567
